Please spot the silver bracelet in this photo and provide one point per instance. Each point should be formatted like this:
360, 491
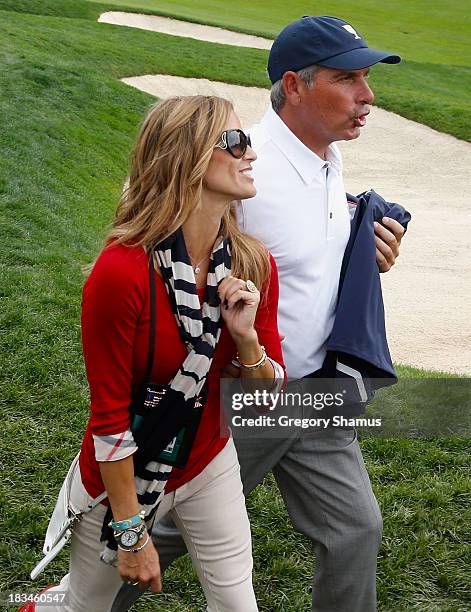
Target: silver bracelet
135, 550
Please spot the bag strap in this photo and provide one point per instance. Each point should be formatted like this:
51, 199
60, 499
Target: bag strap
150, 357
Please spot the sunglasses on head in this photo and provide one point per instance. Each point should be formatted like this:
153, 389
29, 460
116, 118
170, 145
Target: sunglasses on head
234, 142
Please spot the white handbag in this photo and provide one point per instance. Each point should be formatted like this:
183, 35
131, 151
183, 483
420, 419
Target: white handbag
63, 520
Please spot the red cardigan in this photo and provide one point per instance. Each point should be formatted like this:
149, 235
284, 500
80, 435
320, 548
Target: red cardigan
115, 337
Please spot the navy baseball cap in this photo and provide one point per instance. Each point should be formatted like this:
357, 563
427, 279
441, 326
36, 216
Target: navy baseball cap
326, 41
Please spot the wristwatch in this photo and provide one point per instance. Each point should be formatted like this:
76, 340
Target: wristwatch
128, 538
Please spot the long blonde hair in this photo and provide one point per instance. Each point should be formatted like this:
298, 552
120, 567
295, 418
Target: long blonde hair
168, 164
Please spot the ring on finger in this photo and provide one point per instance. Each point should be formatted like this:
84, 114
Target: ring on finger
251, 286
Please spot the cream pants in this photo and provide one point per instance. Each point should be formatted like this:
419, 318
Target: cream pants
210, 514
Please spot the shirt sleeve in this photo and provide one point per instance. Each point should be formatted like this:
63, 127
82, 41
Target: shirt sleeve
113, 299
266, 325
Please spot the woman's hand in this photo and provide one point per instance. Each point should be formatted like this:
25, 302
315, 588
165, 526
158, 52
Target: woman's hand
142, 567
238, 307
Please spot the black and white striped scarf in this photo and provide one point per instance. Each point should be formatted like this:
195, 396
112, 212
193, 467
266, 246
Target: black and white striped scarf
200, 329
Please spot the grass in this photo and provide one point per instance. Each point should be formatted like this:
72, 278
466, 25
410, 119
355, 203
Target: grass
68, 125
431, 86
412, 29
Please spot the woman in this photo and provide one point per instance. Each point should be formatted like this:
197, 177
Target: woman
190, 164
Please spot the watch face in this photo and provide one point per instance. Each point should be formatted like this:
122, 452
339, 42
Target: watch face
129, 538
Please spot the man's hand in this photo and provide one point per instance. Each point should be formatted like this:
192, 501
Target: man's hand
388, 240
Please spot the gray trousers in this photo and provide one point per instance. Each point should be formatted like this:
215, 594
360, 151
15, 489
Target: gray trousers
328, 495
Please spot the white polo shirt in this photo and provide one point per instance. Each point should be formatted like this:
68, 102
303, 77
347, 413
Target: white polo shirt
300, 212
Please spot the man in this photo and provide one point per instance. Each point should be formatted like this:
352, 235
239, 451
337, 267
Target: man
319, 68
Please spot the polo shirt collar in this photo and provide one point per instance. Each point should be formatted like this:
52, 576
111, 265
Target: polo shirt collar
305, 161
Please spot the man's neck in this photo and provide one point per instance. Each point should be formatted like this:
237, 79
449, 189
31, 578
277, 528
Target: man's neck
310, 140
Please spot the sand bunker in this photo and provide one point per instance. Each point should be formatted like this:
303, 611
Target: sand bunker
428, 293
184, 29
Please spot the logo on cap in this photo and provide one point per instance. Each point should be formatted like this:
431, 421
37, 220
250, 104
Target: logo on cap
350, 30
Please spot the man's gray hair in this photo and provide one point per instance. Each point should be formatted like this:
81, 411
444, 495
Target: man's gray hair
277, 94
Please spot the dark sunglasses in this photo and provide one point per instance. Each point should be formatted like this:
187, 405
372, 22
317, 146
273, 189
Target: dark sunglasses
234, 142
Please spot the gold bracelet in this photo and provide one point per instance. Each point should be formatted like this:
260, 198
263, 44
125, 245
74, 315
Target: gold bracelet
254, 366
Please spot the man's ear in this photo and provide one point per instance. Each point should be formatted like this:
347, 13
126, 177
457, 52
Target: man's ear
292, 84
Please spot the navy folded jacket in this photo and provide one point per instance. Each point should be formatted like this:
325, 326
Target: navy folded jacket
357, 348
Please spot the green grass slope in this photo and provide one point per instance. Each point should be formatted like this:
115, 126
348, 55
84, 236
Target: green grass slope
431, 86
424, 30
67, 129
